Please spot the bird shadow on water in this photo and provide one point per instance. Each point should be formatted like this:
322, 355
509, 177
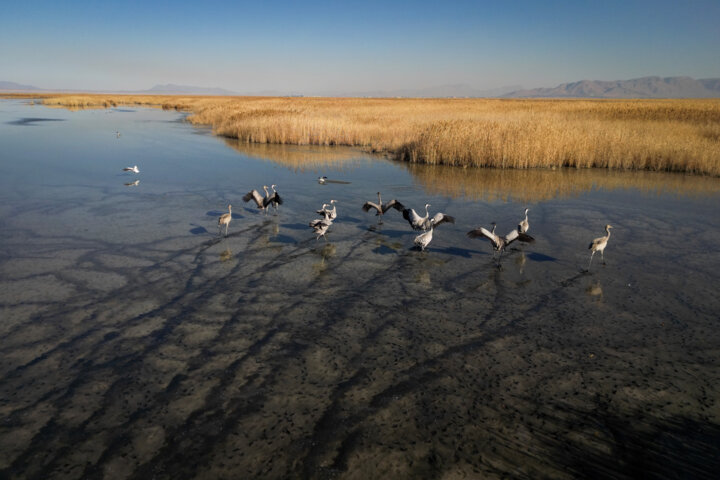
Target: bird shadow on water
540, 257
199, 230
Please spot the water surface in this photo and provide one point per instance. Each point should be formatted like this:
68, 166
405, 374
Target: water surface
135, 342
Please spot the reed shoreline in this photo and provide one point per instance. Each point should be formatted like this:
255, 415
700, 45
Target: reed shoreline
681, 135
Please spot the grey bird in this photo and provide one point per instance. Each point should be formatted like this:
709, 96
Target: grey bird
225, 220
524, 225
500, 243
424, 239
599, 244
259, 200
423, 223
331, 214
381, 207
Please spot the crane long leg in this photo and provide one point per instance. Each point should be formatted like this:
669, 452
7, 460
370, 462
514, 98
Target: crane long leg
591, 257
602, 255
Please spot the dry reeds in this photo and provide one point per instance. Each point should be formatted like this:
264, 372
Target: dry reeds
661, 135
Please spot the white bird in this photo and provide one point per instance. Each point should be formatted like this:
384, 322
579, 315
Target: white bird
133, 169
599, 244
382, 208
260, 201
524, 225
499, 243
225, 220
321, 180
424, 239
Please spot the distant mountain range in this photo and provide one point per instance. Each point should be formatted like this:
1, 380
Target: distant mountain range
646, 87
15, 87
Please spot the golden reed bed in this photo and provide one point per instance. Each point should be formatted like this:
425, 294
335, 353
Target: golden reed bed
663, 135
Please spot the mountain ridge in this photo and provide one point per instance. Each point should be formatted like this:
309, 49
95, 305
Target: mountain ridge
640, 88
643, 87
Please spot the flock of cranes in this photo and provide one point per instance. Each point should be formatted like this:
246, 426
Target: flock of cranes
426, 223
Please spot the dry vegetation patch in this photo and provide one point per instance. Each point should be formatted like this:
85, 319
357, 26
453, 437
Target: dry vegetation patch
667, 135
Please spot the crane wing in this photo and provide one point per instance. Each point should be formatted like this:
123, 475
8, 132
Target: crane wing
368, 205
483, 232
393, 204
439, 218
524, 237
254, 195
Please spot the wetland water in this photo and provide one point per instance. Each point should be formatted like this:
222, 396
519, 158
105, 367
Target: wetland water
136, 343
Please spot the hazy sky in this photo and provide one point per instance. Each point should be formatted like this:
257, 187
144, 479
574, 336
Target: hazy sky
316, 47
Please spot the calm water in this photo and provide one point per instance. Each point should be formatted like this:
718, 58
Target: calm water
137, 343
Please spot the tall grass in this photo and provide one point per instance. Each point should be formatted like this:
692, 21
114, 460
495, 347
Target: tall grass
663, 135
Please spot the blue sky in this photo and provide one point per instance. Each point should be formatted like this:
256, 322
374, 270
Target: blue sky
319, 47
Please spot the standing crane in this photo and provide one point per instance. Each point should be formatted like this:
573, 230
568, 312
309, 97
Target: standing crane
524, 225
424, 239
225, 220
599, 244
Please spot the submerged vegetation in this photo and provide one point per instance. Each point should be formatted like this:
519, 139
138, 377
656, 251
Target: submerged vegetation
662, 135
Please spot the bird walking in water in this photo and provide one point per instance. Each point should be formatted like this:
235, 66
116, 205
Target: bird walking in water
260, 201
499, 243
424, 239
225, 220
524, 225
133, 169
382, 208
598, 245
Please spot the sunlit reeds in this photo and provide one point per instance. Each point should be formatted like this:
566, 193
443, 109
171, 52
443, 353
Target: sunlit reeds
300, 158
536, 185
661, 135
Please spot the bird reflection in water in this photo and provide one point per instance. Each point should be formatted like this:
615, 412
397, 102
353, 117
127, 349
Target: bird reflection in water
326, 252
520, 261
594, 290
133, 184
226, 255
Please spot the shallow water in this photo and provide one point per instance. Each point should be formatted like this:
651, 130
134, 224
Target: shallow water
135, 342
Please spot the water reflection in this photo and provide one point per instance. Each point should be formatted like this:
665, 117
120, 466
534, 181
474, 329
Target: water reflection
594, 290
300, 158
326, 252
536, 185
133, 184
226, 255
